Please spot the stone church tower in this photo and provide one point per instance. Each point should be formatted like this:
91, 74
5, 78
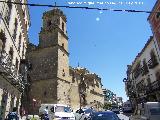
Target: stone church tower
49, 63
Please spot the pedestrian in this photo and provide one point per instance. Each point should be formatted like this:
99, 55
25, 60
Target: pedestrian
13, 115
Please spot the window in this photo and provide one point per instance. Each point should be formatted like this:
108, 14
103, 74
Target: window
152, 54
145, 67
137, 70
63, 45
23, 51
153, 61
16, 63
24, 14
11, 52
19, 45
63, 26
15, 29
155, 111
49, 23
158, 76
158, 15
63, 73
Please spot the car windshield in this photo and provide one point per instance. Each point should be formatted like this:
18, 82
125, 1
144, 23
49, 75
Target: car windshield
63, 109
155, 111
105, 116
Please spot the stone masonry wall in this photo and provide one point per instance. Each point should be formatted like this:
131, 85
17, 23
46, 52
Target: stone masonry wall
43, 64
43, 91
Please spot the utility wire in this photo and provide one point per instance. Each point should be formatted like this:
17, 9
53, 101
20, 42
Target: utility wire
78, 7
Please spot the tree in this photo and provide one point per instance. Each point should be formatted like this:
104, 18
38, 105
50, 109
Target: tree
107, 106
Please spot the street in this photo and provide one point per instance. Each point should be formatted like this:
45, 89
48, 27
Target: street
123, 116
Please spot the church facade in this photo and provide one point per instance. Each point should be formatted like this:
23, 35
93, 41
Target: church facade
50, 77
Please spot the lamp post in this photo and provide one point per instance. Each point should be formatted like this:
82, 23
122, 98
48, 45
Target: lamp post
34, 105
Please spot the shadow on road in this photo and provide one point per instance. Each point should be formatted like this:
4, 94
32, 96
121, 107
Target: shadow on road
127, 114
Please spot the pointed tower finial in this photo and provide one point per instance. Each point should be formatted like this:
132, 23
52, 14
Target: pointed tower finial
55, 4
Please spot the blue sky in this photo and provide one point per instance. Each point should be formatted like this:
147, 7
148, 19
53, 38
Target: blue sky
104, 42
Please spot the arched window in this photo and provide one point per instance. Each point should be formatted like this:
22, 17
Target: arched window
63, 26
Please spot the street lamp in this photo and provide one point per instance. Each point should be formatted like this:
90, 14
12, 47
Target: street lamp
34, 105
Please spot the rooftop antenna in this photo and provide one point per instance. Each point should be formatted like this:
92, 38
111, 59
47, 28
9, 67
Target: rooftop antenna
78, 64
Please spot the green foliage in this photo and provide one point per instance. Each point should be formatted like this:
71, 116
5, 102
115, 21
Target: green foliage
107, 106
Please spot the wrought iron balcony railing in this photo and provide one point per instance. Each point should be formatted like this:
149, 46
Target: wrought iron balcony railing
10, 72
152, 63
144, 70
153, 86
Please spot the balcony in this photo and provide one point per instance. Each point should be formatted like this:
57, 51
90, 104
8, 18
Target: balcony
10, 72
137, 73
152, 63
153, 86
144, 70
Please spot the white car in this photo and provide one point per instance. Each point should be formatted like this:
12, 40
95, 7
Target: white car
57, 111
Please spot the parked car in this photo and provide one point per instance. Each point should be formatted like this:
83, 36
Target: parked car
127, 107
57, 111
147, 111
106, 115
115, 109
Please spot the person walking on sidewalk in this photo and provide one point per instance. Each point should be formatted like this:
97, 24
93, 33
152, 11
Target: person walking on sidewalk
13, 115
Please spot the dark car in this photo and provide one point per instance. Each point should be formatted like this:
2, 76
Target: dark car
115, 109
106, 115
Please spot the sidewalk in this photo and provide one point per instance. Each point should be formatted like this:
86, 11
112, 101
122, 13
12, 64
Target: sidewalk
30, 116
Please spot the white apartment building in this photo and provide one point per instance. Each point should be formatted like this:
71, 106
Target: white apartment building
143, 76
14, 25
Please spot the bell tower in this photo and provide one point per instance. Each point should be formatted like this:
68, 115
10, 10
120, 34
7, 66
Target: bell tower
54, 35
49, 76
54, 29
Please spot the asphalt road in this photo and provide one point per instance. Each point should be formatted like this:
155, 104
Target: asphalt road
123, 117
